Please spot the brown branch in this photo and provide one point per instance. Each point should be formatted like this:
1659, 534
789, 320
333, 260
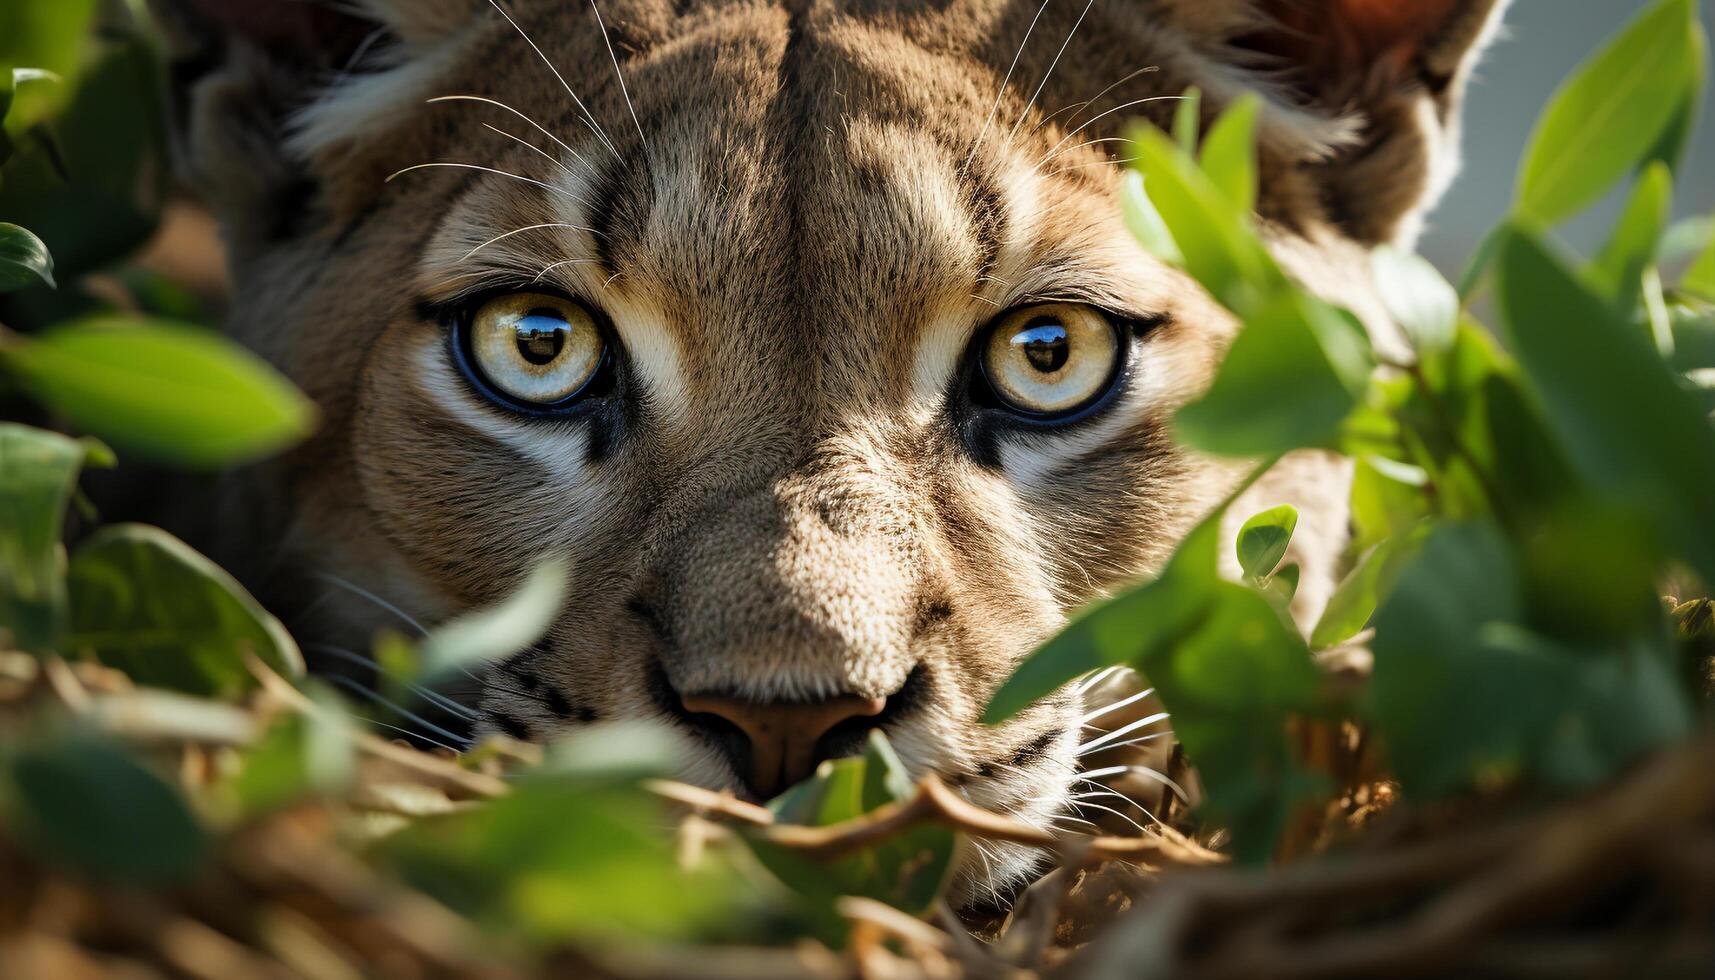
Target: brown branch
932, 803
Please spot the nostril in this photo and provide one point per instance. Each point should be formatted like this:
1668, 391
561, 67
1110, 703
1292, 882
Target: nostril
783, 741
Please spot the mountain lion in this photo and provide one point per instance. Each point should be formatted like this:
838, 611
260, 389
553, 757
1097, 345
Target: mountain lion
807, 332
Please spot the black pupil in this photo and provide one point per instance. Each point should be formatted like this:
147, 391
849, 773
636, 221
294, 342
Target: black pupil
541, 336
1045, 344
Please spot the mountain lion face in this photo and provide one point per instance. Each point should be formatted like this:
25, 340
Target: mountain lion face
809, 335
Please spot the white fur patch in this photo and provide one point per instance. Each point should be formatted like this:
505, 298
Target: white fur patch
356, 107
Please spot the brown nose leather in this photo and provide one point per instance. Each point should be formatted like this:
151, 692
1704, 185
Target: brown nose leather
783, 734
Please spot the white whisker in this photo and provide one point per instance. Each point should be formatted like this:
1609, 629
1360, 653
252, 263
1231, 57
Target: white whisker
621, 76
1121, 732
1051, 66
1007, 79
533, 148
1115, 706
365, 692
564, 262
501, 105
433, 697
1125, 744
550, 188
362, 592
589, 118
520, 231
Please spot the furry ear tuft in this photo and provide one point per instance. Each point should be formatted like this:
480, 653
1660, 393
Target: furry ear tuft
1396, 67
265, 93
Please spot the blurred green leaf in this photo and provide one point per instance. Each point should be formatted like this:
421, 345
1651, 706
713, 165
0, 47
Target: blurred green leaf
1466, 694
38, 471
85, 804
617, 752
24, 260
1675, 140
1423, 303
1213, 234
568, 858
1144, 222
908, 871
1625, 423
144, 602
1355, 599
1700, 278
1122, 629
1263, 540
1229, 152
1188, 119
301, 756
486, 635
1618, 269
1230, 683
1289, 380
48, 36
163, 389
94, 184
1609, 114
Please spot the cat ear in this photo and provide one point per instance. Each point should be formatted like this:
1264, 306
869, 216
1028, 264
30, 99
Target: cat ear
263, 90
1394, 70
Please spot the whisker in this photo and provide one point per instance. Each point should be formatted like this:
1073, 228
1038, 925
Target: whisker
1098, 677
621, 77
490, 170
433, 697
1125, 744
1121, 732
1099, 117
362, 592
1051, 66
1006, 80
1109, 809
550, 268
1081, 106
362, 691
533, 148
1115, 706
501, 105
520, 231
600, 133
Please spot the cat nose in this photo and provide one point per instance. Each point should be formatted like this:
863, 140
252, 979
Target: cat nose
786, 739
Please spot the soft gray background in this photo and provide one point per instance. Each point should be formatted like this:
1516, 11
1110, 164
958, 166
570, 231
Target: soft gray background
1543, 42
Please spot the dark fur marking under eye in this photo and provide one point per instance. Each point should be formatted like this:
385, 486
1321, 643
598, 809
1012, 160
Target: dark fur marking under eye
510, 725
987, 209
1034, 750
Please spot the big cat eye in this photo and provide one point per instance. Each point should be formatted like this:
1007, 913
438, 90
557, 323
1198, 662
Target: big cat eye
1051, 359
534, 350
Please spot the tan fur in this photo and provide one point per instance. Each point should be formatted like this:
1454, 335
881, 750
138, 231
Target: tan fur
794, 255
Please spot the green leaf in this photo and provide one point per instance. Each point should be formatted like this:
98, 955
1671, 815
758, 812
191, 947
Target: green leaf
1609, 114
564, 857
1229, 152
1289, 380
1675, 140
85, 804
1214, 234
301, 756
143, 602
1264, 538
1700, 278
1130, 625
1187, 119
50, 37
487, 635
1618, 269
1360, 592
164, 390
1466, 695
1423, 303
1624, 421
908, 871
24, 260
1230, 684
1144, 222
38, 471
